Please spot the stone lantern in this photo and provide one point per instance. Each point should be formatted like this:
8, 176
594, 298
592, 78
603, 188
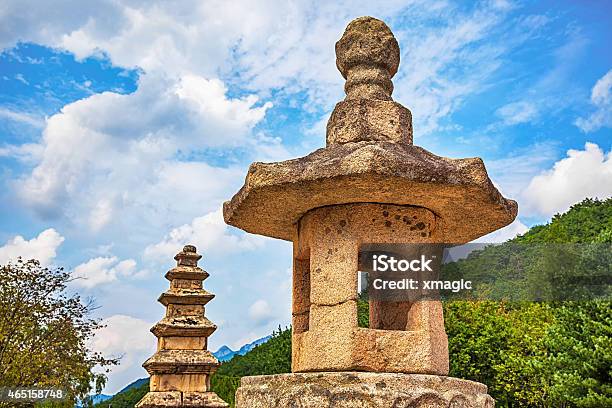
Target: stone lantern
182, 366
370, 184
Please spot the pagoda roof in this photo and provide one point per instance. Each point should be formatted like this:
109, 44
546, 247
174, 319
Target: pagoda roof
181, 362
184, 326
186, 272
184, 296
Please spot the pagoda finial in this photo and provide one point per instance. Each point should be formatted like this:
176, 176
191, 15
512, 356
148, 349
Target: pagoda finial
368, 57
188, 256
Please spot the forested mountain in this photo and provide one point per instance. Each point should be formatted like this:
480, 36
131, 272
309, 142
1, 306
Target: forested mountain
530, 354
567, 259
585, 222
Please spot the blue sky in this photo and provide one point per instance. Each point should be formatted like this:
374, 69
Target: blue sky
125, 125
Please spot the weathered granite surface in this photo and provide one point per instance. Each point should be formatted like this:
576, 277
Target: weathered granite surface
368, 56
326, 336
360, 390
276, 195
185, 399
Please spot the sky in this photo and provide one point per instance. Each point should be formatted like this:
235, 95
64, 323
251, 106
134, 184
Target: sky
124, 125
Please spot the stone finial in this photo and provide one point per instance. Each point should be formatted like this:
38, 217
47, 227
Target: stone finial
368, 56
189, 249
188, 256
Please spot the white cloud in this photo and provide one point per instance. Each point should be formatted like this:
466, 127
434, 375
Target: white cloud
129, 338
260, 311
506, 233
25, 21
111, 152
553, 91
208, 99
583, 173
444, 63
22, 117
101, 270
517, 112
28, 153
513, 173
43, 247
601, 98
106, 158
101, 214
208, 233
21, 78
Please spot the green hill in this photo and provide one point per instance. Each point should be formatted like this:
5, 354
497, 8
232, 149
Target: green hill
128, 397
585, 222
530, 354
566, 259
540, 354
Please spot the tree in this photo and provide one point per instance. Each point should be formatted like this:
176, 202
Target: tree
44, 333
580, 349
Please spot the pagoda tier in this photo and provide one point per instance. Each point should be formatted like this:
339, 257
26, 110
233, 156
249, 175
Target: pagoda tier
185, 326
181, 361
181, 368
185, 296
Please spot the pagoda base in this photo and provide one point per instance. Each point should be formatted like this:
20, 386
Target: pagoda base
164, 399
360, 390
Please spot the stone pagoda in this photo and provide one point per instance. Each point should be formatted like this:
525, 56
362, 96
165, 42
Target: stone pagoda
370, 184
181, 368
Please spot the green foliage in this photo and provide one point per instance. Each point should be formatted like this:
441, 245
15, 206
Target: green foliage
532, 354
541, 354
127, 398
363, 312
44, 333
500, 344
225, 386
604, 236
537, 354
271, 357
567, 259
535, 271
580, 347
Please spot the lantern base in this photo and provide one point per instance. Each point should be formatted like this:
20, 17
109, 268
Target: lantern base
359, 390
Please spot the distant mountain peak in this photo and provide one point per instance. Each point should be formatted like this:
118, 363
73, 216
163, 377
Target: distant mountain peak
225, 353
